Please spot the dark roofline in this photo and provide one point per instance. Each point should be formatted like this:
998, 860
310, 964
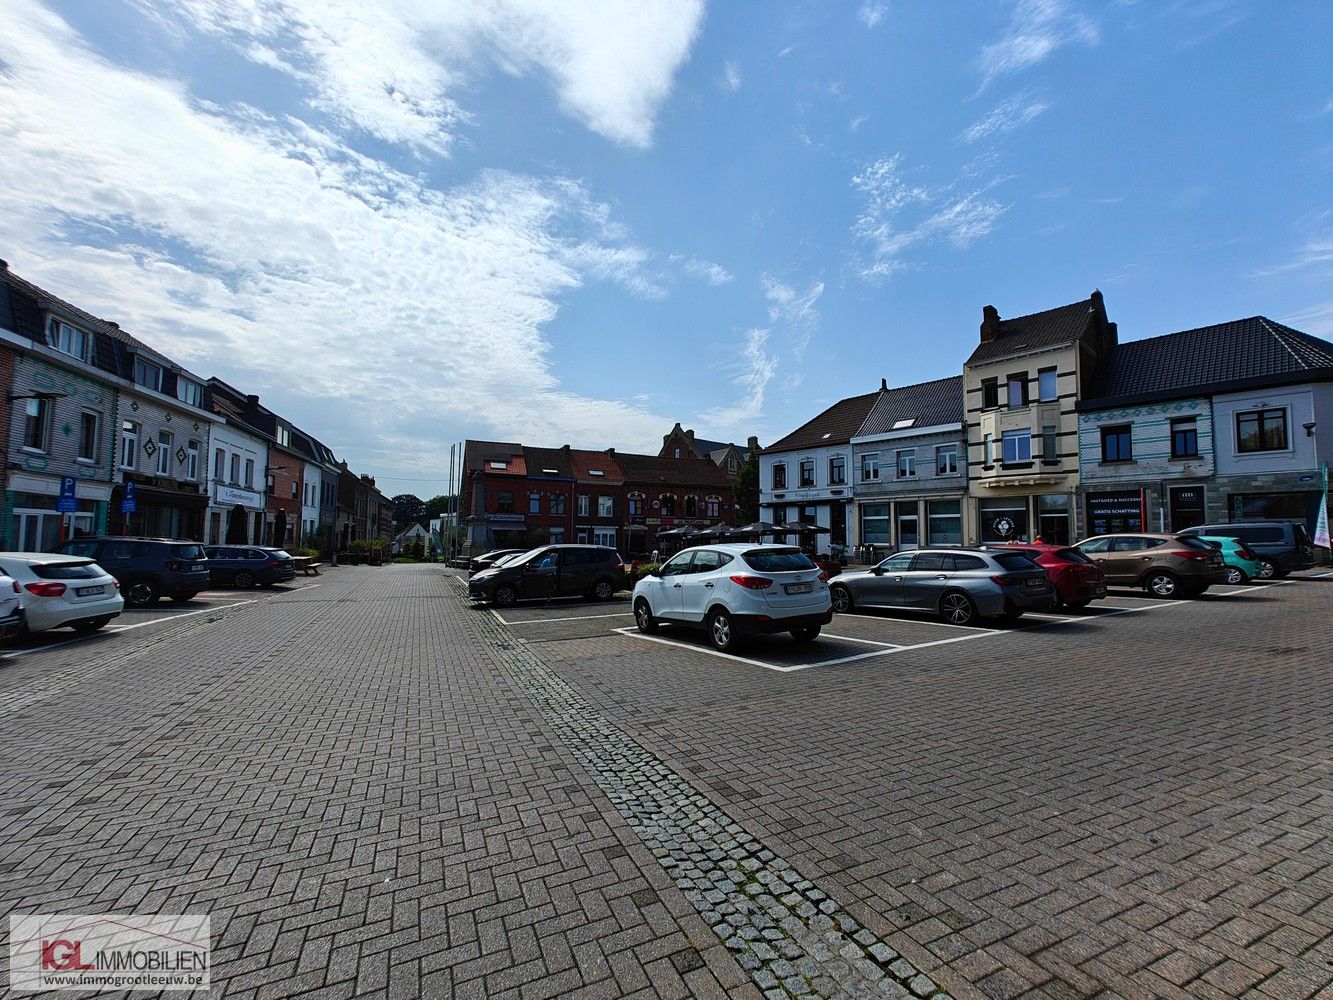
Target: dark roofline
1324, 374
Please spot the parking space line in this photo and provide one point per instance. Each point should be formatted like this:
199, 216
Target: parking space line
870, 642
175, 618
572, 618
923, 620
634, 633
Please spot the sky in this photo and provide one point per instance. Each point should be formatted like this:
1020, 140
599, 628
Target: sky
407, 222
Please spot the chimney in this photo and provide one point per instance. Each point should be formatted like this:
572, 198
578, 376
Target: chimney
565, 448
883, 385
610, 453
252, 402
4, 265
689, 436
990, 324
752, 443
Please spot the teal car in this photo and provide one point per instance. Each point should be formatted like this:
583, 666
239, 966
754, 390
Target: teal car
1242, 564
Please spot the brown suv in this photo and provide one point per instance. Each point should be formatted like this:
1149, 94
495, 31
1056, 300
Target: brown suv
1164, 565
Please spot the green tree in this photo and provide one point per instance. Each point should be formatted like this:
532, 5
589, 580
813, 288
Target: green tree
747, 491
436, 506
407, 507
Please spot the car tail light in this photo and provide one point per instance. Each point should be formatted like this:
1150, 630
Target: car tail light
752, 582
274, 563
17, 589
115, 583
172, 565
617, 562
46, 589
1245, 554
823, 576
1006, 579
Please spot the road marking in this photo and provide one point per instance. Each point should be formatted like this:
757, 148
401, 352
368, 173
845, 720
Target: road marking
872, 642
910, 617
572, 618
634, 633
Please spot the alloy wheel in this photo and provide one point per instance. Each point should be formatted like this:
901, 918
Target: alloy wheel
1234, 575
139, 595
505, 596
957, 608
1266, 570
721, 630
602, 591
842, 600
1163, 585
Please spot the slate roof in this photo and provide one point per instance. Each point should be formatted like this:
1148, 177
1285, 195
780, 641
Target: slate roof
1049, 328
641, 469
538, 460
704, 448
837, 425
928, 404
1244, 353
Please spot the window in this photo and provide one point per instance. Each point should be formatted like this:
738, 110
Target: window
296, 492
635, 506
192, 460
604, 536
88, 420
1117, 444
780, 476
235, 470
284, 435
988, 451
875, 524
712, 506
605, 507
675, 453
250, 473
192, 393
1185, 437
504, 501
870, 467
668, 503
837, 470
583, 505
148, 374
900, 563
807, 472
1261, 430
929, 562
219, 465
944, 522
70, 340
1050, 444
37, 426
691, 506
1017, 446
1046, 385
129, 445
679, 565
163, 453
1017, 390
708, 560
907, 464
271, 485
534, 503
779, 515
990, 394
946, 460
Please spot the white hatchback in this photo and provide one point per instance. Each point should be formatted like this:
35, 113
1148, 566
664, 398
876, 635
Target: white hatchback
58, 589
736, 590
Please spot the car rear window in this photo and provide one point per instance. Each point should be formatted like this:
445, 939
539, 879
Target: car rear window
279, 554
1013, 562
1197, 543
1260, 534
189, 551
778, 560
67, 571
957, 563
1073, 556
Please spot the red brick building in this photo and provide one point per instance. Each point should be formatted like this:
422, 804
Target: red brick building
662, 493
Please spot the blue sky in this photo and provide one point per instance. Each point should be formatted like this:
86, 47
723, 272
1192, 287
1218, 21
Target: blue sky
405, 223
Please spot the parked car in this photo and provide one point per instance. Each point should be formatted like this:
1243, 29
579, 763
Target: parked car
147, 568
1242, 565
736, 590
1163, 565
1280, 546
1078, 581
595, 571
489, 559
246, 565
58, 590
960, 585
11, 618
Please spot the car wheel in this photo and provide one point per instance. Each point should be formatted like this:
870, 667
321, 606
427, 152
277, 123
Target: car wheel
92, 626
141, 594
1162, 584
808, 633
643, 617
243, 579
1236, 575
505, 596
842, 599
722, 631
1267, 569
603, 591
956, 608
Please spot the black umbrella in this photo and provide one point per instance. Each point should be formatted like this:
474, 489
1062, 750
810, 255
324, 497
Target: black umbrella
757, 528
716, 531
236, 526
797, 528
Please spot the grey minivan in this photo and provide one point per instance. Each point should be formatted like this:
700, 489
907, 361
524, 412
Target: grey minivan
959, 585
595, 571
1280, 546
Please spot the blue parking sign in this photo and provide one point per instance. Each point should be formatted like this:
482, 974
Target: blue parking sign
68, 501
128, 504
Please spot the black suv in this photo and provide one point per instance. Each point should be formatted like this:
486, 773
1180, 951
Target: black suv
245, 565
147, 568
1280, 546
595, 571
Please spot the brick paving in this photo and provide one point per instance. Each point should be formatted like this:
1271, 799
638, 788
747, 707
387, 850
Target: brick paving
370, 796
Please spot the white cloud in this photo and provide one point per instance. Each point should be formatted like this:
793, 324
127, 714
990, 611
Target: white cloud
899, 215
393, 68
1006, 117
872, 12
1317, 319
1036, 29
855, 124
752, 374
786, 305
731, 77
697, 267
349, 294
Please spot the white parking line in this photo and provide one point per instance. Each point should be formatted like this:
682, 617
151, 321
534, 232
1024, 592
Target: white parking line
578, 618
634, 633
871, 642
909, 617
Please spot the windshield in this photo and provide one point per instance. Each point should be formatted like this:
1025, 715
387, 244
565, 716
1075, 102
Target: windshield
190, 552
506, 560
778, 560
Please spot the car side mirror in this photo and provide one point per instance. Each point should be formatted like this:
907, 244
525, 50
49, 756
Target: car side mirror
655, 572
877, 570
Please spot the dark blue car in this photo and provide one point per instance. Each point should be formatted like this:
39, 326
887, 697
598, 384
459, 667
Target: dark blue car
247, 565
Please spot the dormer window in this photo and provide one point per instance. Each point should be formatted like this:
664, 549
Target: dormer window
70, 340
596, 472
192, 393
148, 375
902, 425
499, 466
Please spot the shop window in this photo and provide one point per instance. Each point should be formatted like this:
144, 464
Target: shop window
1117, 443
780, 476
990, 394
946, 460
837, 470
1053, 518
807, 473
604, 536
870, 467
779, 515
1017, 446
1185, 437
1261, 430
875, 524
1003, 519
1046, 385
1016, 388
944, 522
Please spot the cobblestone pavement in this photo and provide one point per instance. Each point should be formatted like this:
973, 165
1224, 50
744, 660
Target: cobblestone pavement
374, 789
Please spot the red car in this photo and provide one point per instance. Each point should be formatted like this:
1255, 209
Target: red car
1076, 578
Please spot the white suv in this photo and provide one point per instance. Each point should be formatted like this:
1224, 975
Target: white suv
736, 590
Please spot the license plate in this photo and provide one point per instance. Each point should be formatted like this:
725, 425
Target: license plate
798, 588
89, 591
1035, 584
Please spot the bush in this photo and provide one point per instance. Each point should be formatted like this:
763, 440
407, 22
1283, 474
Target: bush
643, 569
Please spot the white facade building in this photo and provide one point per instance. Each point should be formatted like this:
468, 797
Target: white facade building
237, 470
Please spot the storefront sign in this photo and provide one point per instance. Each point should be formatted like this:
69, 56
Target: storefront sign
230, 495
68, 501
128, 504
1115, 512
